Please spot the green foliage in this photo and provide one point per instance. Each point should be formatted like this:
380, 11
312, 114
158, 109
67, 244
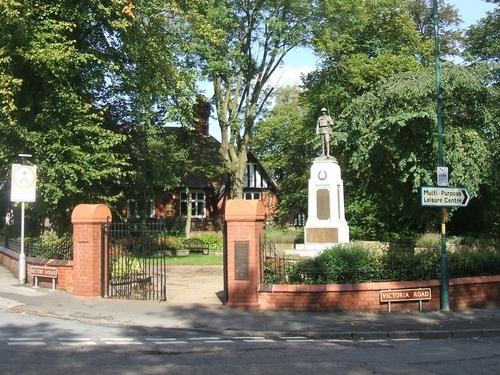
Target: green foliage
76, 78
126, 267
238, 46
429, 241
353, 264
50, 246
391, 129
341, 264
284, 144
276, 234
482, 40
213, 240
196, 260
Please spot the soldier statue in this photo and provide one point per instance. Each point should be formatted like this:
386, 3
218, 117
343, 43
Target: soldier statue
324, 130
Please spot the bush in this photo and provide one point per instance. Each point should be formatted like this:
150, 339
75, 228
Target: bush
429, 241
275, 234
212, 239
341, 264
352, 263
50, 246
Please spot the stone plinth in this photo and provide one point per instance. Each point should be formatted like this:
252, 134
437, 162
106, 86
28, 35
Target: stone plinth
326, 225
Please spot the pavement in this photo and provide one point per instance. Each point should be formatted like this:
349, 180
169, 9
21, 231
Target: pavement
214, 317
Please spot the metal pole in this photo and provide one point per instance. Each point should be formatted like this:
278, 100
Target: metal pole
443, 257
22, 256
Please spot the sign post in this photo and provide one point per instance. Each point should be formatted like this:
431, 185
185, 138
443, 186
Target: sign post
23, 189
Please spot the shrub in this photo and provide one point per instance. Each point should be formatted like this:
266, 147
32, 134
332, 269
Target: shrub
340, 264
212, 239
50, 246
275, 234
429, 241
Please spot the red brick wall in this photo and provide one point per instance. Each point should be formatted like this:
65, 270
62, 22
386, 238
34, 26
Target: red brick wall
482, 291
9, 259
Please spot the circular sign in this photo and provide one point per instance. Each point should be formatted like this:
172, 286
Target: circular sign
322, 175
24, 176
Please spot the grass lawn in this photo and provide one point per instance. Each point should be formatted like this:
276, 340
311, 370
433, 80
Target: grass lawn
196, 260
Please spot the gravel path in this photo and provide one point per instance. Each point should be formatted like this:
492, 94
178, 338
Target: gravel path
194, 284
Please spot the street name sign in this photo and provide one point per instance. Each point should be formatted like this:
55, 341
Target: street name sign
440, 196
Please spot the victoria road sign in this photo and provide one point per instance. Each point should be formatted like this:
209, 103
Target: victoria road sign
440, 196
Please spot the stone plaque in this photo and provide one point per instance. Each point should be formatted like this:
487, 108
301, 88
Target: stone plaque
322, 235
241, 260
323, 204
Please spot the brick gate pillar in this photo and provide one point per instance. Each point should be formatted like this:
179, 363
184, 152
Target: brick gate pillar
244, 233
87, 220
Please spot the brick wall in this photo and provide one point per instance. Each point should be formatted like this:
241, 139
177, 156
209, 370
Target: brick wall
9, 259
482, 291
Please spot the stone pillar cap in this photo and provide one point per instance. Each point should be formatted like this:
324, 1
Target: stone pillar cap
91, 213
244, 210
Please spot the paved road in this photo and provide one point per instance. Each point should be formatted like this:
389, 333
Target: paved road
44, 345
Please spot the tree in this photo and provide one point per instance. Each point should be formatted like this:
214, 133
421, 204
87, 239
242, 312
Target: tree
238, 45
362, 43
391, 142
482, 41
76, 77
285, 143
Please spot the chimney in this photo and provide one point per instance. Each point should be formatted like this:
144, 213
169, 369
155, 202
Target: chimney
201, 112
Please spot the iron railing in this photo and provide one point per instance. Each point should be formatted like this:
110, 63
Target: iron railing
280, 268
61, 248
135, 260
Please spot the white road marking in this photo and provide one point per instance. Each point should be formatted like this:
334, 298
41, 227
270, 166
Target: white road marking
26, 341
170, 342
248, 338
120, 341
203, 338
218, 341
260, 340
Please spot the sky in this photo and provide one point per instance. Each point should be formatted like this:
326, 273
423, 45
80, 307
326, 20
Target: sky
301, 61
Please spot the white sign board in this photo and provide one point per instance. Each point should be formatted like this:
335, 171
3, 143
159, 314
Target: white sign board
23, 183
440, 196
442, 176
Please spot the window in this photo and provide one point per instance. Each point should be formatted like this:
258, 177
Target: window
197, 203
251, 195
132, 209
253, 177
150, 208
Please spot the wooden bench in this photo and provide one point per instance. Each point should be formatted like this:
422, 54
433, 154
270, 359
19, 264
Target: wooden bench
195, 245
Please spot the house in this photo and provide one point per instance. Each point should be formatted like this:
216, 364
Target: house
206, 195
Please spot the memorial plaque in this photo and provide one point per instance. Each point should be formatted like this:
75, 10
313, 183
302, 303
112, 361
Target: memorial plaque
323, 204
241, 260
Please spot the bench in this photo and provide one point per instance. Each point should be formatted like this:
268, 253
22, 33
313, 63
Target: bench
195, 245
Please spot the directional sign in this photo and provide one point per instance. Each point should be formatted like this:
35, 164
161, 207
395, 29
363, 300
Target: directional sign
440, 196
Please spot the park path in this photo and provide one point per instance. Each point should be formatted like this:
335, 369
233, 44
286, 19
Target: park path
194, 284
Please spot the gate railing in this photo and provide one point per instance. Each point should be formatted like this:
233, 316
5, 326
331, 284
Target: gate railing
135, 260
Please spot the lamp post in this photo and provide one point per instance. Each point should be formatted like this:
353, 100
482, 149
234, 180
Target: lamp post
443, 256
23, 190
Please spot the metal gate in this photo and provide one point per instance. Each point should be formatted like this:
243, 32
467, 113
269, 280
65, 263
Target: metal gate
135, 261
